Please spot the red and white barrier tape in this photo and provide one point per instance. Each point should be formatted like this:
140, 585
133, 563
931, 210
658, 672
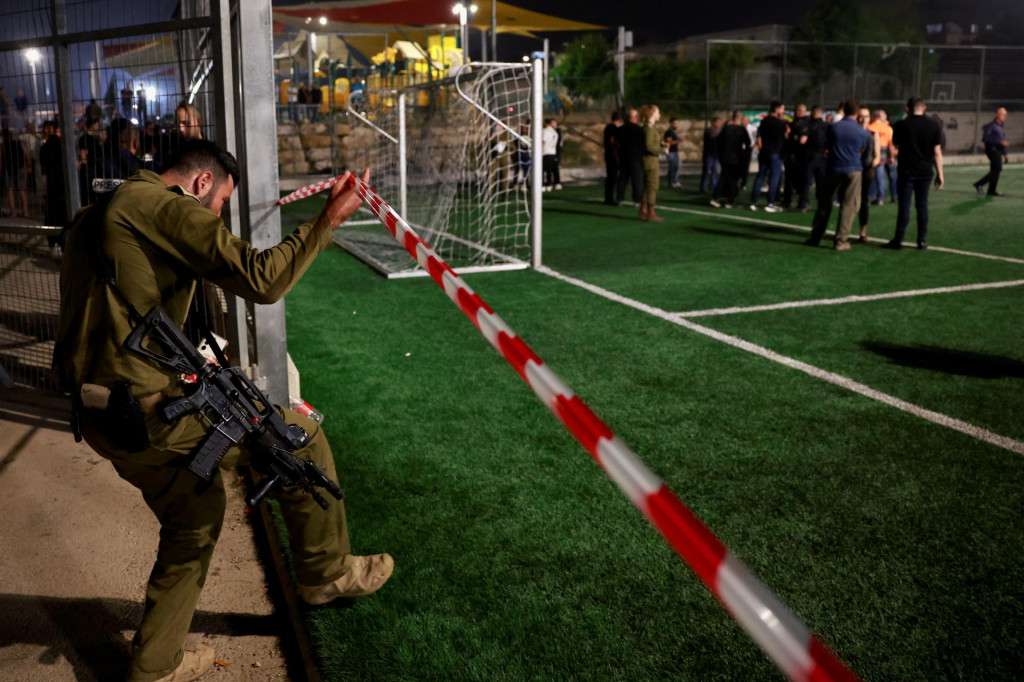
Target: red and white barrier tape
308, 190
796, 651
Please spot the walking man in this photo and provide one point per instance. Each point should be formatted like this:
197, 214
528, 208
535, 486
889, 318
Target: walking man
709, 156
771, 136
845, 143
996, 143
671, 139
631, 158
918, 143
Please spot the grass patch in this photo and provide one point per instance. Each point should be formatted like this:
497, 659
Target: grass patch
896, 540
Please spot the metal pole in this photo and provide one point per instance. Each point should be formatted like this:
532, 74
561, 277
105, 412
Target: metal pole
707, 83
536, 178
782, 85
853, 93
310, 39
65, 105
547, 62
403, 161
224, 82
977, 108
483, 45
918, 76
494, 30
621, 58
259, 168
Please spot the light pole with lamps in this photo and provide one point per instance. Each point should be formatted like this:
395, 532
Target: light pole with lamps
33, 55
463, 11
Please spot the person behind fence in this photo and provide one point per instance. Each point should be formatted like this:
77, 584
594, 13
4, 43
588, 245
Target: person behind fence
549, 154
771, 135
671, 139
918, 142
733, 149
14, 164
653, 149
996, 145
51, 163
845, 143
709, 166
611, 157
154, 238
871, 158
792, 157
631, 156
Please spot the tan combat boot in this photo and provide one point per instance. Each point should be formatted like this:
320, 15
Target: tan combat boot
196, 662
366, 575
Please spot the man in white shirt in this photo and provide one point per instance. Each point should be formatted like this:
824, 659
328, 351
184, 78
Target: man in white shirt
549, 152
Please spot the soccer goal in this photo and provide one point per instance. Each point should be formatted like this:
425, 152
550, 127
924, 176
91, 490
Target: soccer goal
455, 158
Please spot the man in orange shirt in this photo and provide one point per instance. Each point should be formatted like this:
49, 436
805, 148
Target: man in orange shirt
880, 126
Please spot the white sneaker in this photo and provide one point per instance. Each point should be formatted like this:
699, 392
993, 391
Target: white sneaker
715, 203
772, 208
753, 207
558, 186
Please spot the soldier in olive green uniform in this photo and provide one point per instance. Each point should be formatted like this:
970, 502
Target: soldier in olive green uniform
161, 232
653, 148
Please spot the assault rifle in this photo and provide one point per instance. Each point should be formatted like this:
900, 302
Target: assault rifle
237, 410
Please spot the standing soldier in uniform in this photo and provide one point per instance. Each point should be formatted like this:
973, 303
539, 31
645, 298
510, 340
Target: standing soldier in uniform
159, 233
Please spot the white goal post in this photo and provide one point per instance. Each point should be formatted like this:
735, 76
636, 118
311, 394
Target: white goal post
459, 158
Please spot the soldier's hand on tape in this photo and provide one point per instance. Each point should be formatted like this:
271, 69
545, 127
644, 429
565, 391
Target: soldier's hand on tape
343, 200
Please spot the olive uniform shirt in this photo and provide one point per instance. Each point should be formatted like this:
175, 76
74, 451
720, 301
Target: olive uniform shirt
159, 240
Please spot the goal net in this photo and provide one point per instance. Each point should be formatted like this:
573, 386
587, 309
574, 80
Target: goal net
454, 158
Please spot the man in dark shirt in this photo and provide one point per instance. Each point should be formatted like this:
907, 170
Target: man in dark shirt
733, 143
771, 136
918, 143
611, 157
845, 143
709, 156
671, 139
812, 140
631, 158
793, 156
996, 143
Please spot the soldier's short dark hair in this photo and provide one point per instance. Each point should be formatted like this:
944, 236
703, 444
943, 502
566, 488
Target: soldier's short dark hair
199, 155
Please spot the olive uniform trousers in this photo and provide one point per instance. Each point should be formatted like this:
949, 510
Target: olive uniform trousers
191, 514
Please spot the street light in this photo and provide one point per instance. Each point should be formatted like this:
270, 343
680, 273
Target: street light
33, 55
463, 12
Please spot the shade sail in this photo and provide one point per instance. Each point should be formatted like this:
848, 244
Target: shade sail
361, 15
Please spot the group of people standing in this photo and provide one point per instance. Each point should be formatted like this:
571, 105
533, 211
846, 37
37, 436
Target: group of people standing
632, 153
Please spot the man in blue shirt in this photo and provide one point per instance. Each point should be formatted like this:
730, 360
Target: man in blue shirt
845, 141
996, 143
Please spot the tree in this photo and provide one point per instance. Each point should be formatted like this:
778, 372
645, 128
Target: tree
586, 67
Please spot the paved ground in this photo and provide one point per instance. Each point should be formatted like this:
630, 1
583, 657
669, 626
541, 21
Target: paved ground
76, 547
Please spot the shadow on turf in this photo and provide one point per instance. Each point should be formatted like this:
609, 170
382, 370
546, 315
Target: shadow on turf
948, 360
760, 233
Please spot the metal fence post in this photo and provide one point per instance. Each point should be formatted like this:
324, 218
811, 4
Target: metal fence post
537, 130
259, 168
977, 108
403, 163
62, 66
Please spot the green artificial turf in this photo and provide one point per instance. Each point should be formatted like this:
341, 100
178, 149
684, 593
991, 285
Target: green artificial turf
895, 539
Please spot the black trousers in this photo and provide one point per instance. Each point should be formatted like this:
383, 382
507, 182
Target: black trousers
995, 167
631, 171
918, 185
611, 177
729, 184
550, 168
814, 170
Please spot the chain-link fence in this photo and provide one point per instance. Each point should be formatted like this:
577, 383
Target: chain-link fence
962, 85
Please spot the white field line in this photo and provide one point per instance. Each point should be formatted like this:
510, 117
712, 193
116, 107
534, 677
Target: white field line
816, 372
850, 299
802, 228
